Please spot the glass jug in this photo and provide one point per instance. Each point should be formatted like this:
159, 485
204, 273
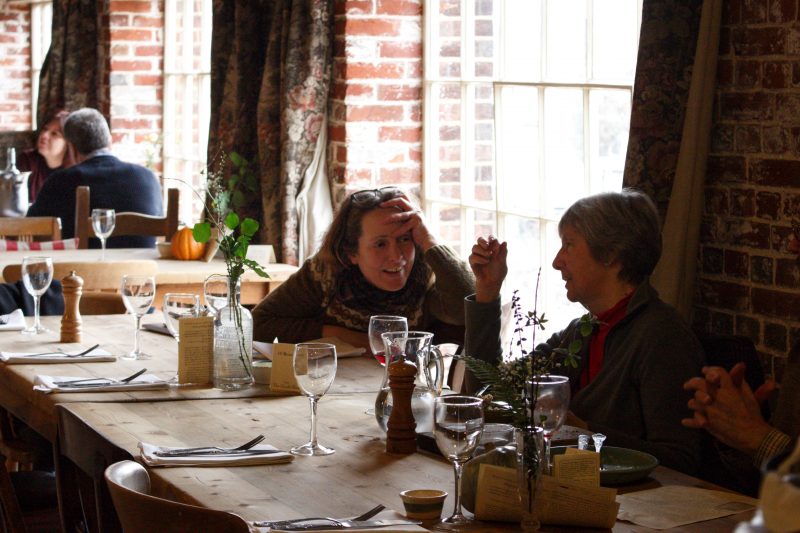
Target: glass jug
415, 347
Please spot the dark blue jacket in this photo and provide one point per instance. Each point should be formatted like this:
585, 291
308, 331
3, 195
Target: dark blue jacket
113, 184
14, 296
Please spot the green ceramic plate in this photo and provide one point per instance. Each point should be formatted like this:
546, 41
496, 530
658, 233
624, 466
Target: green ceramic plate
620, 465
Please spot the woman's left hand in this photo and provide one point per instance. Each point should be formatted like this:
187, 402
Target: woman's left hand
410, 218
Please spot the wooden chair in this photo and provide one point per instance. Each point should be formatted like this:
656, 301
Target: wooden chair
101, 281
127, 223
138, 510
28, 501
28, 229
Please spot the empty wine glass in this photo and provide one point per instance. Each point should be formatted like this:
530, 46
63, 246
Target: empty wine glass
179, 305
215, 291
457, 427
103, 221
552, 395
314, 365
37, 273
137, 294
380, 324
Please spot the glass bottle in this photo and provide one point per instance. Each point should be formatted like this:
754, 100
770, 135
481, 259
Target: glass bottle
233, 343
13, 187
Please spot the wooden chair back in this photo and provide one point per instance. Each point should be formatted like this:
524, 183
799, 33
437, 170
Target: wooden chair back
127, 223
12, 519
129, 485
28, 229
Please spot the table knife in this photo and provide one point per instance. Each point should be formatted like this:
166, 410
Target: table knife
213, 453
312, 525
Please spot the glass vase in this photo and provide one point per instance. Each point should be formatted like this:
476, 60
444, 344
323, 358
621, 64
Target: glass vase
530, 459
233, 343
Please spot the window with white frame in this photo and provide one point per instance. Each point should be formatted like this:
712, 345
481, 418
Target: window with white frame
527, 107
41, 33
187, 100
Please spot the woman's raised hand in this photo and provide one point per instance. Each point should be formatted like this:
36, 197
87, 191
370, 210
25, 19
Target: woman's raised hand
488, 263
410, 218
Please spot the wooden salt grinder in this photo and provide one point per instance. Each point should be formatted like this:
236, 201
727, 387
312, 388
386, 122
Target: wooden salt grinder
72, 286
401, 436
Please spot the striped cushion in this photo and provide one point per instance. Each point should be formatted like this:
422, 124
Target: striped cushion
65, 244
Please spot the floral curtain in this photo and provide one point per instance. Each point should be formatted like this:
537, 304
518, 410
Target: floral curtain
74, 73
270, 74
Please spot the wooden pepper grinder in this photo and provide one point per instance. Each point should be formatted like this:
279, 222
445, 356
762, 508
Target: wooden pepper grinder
72, 286
401, 435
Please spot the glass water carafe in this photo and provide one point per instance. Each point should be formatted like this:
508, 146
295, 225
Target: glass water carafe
415, 347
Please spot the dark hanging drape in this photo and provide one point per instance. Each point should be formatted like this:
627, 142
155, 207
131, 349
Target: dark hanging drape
270, 76
74, 73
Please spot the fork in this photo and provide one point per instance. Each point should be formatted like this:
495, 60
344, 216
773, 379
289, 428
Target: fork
85, 352
189, 451
360, 518
109, 381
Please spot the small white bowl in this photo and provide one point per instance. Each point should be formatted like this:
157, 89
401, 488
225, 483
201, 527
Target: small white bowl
164, 249
423, 504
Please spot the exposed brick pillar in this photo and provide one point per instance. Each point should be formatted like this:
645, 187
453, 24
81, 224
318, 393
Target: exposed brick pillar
15, 67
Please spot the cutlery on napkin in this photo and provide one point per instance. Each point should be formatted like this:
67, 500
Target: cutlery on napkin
385, 522
13, 321
93, 355
262, 454
48, 384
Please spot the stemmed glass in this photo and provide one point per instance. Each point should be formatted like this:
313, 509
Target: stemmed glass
314, 365
137, 294
215, 291
179, 305
457, 427
37, 273
103, 221
380, 324
552, 395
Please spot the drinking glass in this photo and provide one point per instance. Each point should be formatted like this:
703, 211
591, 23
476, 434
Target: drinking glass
550, 410
103, 221
314, 365
458, 424
179, 305
137, 294
380, 324
215, 291
37, 273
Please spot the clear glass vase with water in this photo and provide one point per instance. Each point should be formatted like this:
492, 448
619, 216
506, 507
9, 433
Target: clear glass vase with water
416, 347
233, 344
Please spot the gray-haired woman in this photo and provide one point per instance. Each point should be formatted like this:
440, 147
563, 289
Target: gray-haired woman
628, 384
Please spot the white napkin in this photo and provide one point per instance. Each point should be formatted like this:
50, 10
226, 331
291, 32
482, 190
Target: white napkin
387, 514
15, 321
151, 459
98, 355
46, 384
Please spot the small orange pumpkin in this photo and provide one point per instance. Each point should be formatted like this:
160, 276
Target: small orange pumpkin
184, 246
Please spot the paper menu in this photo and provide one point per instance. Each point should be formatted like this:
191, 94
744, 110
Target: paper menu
581, 467
282, 376
565, 503
196, 350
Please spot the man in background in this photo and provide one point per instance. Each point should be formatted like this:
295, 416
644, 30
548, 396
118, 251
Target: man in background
113, 184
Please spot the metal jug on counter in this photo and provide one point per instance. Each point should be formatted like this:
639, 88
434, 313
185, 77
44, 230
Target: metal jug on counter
13, 188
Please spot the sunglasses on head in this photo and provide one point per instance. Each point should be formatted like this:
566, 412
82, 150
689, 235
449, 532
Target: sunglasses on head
370, 196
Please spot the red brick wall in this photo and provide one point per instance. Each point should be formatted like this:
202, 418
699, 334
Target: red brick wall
748, 283
15, 68
376, 114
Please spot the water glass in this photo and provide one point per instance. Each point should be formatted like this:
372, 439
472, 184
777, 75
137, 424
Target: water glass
215, 292
380, 324
137, 294
314, 365
552, 396
179, 305
458, 424
103, 221
37, 274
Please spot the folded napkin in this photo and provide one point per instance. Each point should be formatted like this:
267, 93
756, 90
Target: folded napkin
387, 514
151, 459
47, 384
98, 355
14, 321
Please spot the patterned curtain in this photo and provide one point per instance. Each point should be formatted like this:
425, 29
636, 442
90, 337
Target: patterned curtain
74, 73
270, 75
667, 44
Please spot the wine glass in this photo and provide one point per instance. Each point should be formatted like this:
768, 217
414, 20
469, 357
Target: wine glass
179, 305
103, 221
37, 273
137, 294
457, 427
380, 324
215, 291
552, 395
314, 365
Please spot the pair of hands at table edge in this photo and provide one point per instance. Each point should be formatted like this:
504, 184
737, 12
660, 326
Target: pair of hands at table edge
488, 263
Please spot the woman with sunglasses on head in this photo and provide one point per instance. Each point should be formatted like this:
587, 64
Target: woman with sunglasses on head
377, 257
52, 153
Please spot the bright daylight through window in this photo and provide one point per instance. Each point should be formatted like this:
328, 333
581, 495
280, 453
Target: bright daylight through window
527, 107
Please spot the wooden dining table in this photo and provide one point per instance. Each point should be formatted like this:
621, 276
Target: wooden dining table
173, 275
